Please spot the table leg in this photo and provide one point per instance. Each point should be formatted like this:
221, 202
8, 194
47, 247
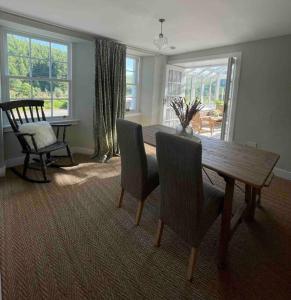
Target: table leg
250, 198
226, 222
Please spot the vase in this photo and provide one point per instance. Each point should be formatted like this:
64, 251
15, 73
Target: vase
186, 131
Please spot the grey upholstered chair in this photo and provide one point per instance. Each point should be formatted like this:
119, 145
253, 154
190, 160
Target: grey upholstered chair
139, 172
188, 206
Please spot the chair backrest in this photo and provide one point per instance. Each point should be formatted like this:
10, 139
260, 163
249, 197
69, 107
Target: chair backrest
23, 111
133, 157
180, 172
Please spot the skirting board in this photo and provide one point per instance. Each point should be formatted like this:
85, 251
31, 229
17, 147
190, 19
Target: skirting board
82, 150
13, 162
282, 173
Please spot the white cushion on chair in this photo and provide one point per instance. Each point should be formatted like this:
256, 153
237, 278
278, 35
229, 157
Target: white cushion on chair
44, 133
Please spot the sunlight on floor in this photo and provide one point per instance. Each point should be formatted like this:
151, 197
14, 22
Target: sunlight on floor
84, 171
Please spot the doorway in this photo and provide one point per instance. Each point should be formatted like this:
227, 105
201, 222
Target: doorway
214, 82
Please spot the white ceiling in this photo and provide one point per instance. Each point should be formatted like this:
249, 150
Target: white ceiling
190, 24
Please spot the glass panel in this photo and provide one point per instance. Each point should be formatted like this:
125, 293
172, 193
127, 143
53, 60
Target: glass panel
130, 77
59, 52
18, 66
41, 89
19, 89
18, 45
39, 68
61, 108
130, 104
40, 49
130, 64
60, 89
59, 70
208, 84
47, 108
131, 90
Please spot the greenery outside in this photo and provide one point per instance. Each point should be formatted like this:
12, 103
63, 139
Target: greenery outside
37, 69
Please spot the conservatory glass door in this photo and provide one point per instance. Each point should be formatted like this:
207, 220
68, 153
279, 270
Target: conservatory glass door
212, 84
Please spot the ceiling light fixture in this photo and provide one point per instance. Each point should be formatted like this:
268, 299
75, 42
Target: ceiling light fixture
161, 42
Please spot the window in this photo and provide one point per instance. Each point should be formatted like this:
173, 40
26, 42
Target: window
132, 64
39, 69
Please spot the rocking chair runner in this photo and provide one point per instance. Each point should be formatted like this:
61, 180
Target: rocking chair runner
27, 111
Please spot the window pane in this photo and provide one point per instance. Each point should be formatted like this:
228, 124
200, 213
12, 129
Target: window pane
60, 108
59, 70
41, 89
131, 90
18, 66
47, 108
60, 89
130, 77
130, 64
39, 68
59, 52
130, 104
17, 45
48, 60
19, 89
40, 49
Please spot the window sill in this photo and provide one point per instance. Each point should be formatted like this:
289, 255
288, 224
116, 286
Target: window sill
7, 128
132, 114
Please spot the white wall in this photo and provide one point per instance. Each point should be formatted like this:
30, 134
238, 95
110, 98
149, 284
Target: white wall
147, 87
264, 96
151, 90
83, 94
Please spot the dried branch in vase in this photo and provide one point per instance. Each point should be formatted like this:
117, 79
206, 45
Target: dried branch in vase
185, 111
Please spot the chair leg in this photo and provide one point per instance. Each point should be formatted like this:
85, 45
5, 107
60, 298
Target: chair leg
43, 167
119, 204
26, 163
48, 157
159, 233
70, 155
139, 212
259, 198
192, 263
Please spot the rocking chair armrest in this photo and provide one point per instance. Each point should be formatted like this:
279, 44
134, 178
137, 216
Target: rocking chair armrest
64, 126
31, 135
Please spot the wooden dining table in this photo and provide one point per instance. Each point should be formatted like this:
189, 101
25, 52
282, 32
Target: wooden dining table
234, 162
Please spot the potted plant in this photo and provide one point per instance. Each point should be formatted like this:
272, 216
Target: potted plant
185, 111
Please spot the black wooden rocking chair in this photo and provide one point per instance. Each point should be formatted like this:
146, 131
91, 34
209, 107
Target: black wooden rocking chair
26, 111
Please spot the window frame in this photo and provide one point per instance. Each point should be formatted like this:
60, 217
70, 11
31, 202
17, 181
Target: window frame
137, 84
7, 77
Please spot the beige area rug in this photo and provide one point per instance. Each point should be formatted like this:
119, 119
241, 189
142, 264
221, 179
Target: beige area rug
67, 240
